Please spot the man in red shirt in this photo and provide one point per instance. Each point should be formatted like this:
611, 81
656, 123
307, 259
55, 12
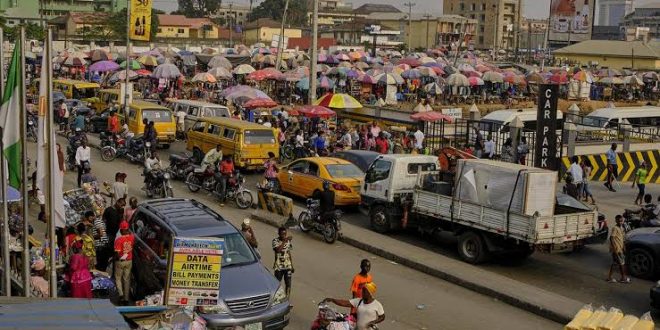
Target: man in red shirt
381, 143
226, 169
113, 122
124, 261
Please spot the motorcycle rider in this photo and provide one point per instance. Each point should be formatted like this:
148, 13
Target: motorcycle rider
326, 200
647, 212
212, 157
270, 174
226, 171
78, 137
151, 164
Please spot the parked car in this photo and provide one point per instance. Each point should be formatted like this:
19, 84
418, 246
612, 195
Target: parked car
643, 252
359, 158
249, 296
305, 176
99, 122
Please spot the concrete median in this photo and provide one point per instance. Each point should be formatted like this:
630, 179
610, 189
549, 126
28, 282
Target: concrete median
527, 297
275, 208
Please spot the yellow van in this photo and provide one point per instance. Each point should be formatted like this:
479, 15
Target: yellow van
106, 97
76, 89
163, 119
249, 143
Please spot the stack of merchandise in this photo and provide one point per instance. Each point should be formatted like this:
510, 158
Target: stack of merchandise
601, 319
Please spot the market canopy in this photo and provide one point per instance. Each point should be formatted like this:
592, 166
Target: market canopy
315, 111
259, 103
339, 101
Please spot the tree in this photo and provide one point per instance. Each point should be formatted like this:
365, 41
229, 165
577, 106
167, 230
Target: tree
274, 9
198, 8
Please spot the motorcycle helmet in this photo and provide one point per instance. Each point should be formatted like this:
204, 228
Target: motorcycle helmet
326, 185
78, 130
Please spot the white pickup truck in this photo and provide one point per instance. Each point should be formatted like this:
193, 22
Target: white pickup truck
491, 207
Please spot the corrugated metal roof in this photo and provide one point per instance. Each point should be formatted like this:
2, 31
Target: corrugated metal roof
610, 48
63, 313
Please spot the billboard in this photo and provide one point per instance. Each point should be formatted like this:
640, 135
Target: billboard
140, 20
571, 20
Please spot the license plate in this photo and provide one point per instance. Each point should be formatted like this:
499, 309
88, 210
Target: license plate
253, 326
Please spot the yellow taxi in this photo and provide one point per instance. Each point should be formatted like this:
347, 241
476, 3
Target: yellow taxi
305, 176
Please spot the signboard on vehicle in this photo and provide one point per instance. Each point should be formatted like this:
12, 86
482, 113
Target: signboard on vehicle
570, 20
195, 271
455, 113
546, 128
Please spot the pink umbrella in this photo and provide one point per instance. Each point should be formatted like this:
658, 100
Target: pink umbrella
473, 74
430, 116
343, 57
315, 111
259, 103
559, 78
413, 62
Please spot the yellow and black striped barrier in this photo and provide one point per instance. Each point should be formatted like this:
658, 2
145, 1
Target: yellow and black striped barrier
277, 204
628, 163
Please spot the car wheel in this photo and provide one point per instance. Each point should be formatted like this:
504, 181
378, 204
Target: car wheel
380, 220
641, 263
472, 248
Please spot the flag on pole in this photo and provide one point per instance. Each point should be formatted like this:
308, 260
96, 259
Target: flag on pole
10, 114
44, 140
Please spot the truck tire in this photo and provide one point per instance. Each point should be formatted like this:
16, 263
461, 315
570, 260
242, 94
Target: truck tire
380, 220
472, 248
640, 263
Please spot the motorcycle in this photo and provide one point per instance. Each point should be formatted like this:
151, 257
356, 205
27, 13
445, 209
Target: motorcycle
200, 178
237, 192
74, 142
31, 127
114, 147
633, 220
311, 219
329, 318
159, 184
180, 166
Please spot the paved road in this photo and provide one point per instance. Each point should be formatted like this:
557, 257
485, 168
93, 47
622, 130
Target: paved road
412, 299
577, 275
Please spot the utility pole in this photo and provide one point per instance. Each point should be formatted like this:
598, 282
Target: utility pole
427, 16
409, 5
230, 25
280, 43
128, 55
497, 27
516, 30
529, 42
314, 52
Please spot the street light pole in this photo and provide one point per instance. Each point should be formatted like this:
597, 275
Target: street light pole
128, 56
427, 16
280, 43
314, 53
409, 5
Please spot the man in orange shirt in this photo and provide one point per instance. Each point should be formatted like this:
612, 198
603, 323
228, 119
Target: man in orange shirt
361, 278
113, 122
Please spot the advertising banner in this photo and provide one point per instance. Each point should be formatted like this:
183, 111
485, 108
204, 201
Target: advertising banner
571, 20
195, 271
546, 128
140, 20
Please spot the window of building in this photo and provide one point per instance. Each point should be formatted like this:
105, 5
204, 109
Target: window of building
160, 30
472, 16
481, 28
240, 14
474, 6
482, 17
483, 6
180, 31
481, 39
462, 6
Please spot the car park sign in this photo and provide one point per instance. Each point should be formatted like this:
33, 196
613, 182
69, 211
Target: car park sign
194, 271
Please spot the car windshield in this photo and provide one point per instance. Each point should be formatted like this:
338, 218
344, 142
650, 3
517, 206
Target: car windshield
216, 112
262, 136
594, 121
236, 250
84, 93
157, 116
344, 171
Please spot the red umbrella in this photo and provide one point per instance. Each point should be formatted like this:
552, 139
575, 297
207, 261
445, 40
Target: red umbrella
259, 103
559, 78
143, 72
431, 116
413, 62
315, 111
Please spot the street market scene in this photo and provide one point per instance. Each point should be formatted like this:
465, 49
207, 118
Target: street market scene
448, 165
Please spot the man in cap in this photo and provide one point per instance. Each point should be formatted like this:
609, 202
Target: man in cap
124, 261
248, 233
369, 310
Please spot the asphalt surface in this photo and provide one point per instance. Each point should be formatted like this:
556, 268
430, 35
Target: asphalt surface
578, 275
412, 300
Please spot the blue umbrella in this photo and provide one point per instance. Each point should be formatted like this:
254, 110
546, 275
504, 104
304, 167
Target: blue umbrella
303, 83
13, 195
185, 52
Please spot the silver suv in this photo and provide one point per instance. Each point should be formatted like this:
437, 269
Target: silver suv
249, 294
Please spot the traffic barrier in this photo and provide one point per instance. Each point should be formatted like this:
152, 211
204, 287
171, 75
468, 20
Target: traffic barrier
278, 205
628, 163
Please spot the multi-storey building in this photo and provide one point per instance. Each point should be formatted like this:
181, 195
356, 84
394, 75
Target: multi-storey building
498, 21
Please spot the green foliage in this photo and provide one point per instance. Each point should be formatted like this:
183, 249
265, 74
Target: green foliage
274, 9
198, 8
116, 24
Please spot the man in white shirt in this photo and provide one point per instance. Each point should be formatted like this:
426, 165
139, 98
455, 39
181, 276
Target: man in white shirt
577, 173
180, 122
150, 164
299, 144
212, 156
83, 156
346, 140
489, 148
419, 140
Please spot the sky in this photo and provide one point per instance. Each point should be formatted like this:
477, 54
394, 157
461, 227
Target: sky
532, 8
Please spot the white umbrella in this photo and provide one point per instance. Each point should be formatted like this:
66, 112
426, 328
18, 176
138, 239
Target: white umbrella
166, 71
220, 61
390, 78
243, 69
220, 73
204, 77
493, 76
458, 79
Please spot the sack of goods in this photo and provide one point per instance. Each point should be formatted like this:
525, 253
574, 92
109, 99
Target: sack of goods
601, 319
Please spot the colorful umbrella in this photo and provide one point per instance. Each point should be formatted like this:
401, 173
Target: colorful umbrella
325, 82
413, 62
259, 103
75, 59
121, 75
559, 78
428, 72
315, 111
340, 101
607, 72
243, 69
143, 72
412, 74
148, 60
367, 79
103, 66
583, 76
166, 71
204, 77
342, 57
389, 79
464, 67
321, 58
611, 81
473, 74
267, 73
220, 73
303, 83
433, 89
345, 64
100, 55
361, 65
135, 65
475, 81
430, 116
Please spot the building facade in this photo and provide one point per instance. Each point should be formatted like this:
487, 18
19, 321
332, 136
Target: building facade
532, 34
613, 54
644, 17
498, 21
236, 13
36, 11
263, 30
611, 12
181, 27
